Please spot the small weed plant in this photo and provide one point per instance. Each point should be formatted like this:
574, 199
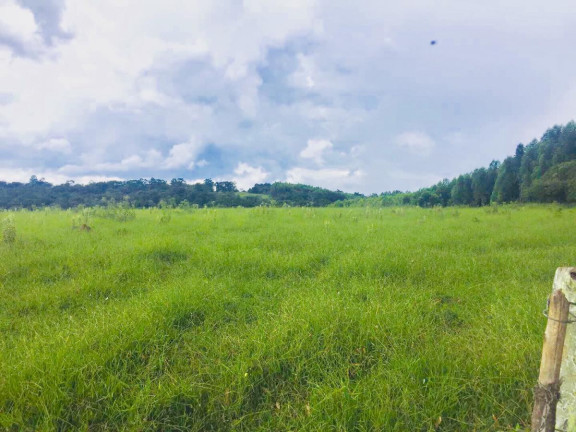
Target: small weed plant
8, 230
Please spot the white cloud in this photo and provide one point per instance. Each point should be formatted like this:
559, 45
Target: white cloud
183, 155
417, 143
422, 179
16, 19
315, 149
331, 178
152, 158
257, 78
18, 29
61, 145
304, 75
101, 64
247, 176
23, 176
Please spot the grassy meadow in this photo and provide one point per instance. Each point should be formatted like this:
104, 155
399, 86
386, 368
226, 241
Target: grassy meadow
277, 319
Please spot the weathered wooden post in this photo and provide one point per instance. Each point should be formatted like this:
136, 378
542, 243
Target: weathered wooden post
555, 394
565, 280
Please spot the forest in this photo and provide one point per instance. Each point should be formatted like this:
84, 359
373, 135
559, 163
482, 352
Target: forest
146, 193
542, 171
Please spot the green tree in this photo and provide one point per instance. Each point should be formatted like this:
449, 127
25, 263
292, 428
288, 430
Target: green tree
428, 199
443, 190
226, 186
462, 191
528, 166
507, 186
558, 184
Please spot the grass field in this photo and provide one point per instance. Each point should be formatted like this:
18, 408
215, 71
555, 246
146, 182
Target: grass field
277, 319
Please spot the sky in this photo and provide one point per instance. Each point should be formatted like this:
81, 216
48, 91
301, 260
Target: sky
342, 94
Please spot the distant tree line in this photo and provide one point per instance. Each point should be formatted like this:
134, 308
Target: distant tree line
299, 194
153, 192
542, 171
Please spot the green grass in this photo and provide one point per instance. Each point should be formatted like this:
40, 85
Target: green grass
277, 319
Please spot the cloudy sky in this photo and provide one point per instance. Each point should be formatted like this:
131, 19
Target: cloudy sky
343, 94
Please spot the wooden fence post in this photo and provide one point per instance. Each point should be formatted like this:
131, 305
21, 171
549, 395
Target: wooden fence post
558, 360
565, 280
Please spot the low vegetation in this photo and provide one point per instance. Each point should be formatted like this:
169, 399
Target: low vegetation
396, 319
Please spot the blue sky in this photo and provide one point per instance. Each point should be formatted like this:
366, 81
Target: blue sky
345, 95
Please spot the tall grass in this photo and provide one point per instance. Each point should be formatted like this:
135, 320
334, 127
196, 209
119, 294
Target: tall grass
277, 319
8, 230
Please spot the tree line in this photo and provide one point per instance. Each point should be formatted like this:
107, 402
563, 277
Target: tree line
143, 193
542, 171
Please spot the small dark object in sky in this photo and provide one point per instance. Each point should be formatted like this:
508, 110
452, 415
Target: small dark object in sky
433, 42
